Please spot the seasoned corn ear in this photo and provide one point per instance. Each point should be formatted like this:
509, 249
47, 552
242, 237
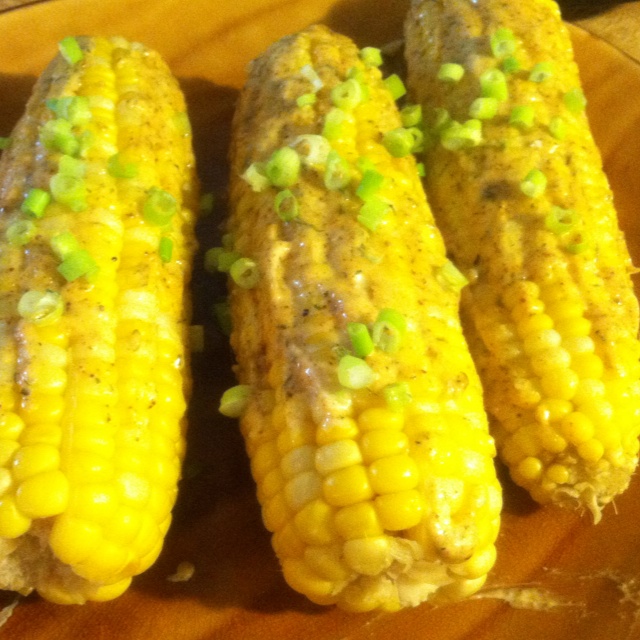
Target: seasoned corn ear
527, 214
93, 321
363, 415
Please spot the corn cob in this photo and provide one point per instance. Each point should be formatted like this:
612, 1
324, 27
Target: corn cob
375, 472
527, 214
99, 171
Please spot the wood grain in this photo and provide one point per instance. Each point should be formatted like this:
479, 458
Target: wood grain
237, 592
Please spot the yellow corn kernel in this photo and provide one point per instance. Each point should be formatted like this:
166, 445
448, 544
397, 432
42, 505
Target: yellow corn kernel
109, 559
315, 523
576, 427
287, 542
275, 512
358, 521
102, 593
552, 410
336, 429
299, 575
124, 525
33, 459
530, 468
381, 443
7, 450
73, 539
401, 510
327, 562
94, 502
557, 473
297, 461
265, 459
49, 434
347, 486
11, 426
43, 495
477, 565
13, 522
392, 474
271, 484
379, 418
302, 488
368, 556
337, 455
591, 450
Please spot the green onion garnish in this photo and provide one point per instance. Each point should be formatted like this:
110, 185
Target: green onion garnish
561, 221
337, 173
411, 115
398, 142
450, 277
534, 184
493, 84
347, 95
283, 167
458, 135
522, 117
181, 122
35, 202
397, 396
40, 307
373, 212
502, 42
541, 72
117, 168
511, 64
234, 401
421, 169
360, 339
211, 257
222, 314
5, 141
354, 373
308, 72
228, 241
70, 50
206, 203
286, 205
255, 177
165, 249
77, 264
395, 85
371, 56
56, 135
558, 128
306, 99
20, 232
441, 119
483, 108
579, 244
357, 74
312, 149
159, 207
70, 166
575, 100
64, 244
388, 330
244, 272
75, 109
369, 184
334, 123
450, 72
226, 259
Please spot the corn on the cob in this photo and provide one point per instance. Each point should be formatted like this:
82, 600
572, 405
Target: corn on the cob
527, 214
93, 321
375, 473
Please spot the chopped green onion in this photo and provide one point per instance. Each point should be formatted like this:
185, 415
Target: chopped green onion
357, 74
312, 76
541, 72
450, 277
388, 330
226, 259
511, 64
334, 123
484, 108
354, 373
165, 249
181, 122
398, 142
450, 72
77, 264
5, 141
441, 120
255, 177
502, 42
561, 221
306, 99
337, 174
286, 205
369, 184
117, 168
373, 212
35, 202
360, 339
458, 135
365, 164
159, 207
56, 135
558, 128
244, 272
397, 396
575, 100
395, 85
234, 401
312, 149
421, 169
347, 95
75, 109
20, 232
64, 244
211, 257
85, 140
411, 115
41, 307
534, 184
70, 50
579, 244
228, 241
222, 314
371, 56
493, 84
522, 117
206, 203
418, 139
283, 167
70, 166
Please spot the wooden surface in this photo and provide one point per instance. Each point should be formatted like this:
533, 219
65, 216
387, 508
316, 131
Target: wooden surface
590, 574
